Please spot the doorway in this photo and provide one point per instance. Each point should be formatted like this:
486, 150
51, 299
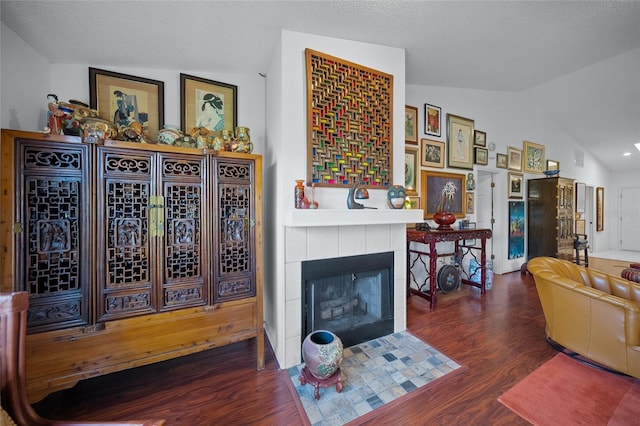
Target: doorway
630, 218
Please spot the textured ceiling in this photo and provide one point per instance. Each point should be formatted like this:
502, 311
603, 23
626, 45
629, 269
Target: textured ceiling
507, 46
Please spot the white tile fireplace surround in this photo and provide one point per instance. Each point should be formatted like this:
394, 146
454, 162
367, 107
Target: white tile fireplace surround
325, 234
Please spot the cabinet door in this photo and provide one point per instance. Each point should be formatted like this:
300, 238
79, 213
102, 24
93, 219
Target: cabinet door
235, 235
53, 209
126, 252
184, 270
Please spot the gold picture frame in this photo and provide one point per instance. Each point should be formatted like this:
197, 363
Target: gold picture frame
471, 203
514, 159
123, 99
411, 170
411, 124
207, 103
460, 138
533, 157
501, 161
599, 209
432, 153
515, 185
553, 165
431, 186
414, 202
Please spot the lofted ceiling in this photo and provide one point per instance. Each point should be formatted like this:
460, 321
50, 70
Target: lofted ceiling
581, 58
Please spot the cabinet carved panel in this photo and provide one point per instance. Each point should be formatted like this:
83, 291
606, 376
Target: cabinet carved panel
52, 190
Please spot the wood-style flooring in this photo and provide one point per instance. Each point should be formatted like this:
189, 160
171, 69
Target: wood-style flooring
499, 337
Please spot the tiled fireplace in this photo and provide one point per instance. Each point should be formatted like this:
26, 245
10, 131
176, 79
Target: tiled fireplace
328, 234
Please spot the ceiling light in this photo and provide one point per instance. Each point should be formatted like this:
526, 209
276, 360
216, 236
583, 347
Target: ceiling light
637, 146
626, 154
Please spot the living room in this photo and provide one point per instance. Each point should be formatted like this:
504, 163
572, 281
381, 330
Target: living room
273, 109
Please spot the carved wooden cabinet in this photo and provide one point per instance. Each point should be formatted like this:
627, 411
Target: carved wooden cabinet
550, 217
131, 253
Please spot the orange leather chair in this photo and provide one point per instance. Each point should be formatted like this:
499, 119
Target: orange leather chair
590, 313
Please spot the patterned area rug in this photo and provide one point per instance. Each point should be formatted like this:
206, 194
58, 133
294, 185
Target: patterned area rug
374, 373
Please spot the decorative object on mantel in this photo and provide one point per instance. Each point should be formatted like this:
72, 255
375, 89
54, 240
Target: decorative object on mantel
396, 196
357, 192
349, 123
322, 354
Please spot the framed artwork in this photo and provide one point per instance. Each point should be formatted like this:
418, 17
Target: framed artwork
581, 189
533, 157
471, 200
432, 120
515, 185
342, 152
432, 153
460, 134
599, 209
501, 161
207, 103
124, 99
481, 155
480, 138
413, 202
411, 124
553, 165
514, 159
411, 170
439, 188
470, 225
516, 229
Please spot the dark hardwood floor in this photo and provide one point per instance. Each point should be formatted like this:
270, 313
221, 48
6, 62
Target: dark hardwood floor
499, 337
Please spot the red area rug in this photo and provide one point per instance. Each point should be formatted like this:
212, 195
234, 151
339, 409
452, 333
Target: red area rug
563, 391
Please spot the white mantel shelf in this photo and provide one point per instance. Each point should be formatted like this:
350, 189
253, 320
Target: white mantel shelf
296, 218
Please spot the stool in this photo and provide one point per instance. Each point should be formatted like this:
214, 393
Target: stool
335, 379
581, 244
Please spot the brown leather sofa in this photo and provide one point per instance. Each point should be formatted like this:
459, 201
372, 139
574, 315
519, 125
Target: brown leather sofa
591, 313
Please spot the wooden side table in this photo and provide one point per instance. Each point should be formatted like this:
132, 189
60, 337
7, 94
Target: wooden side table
428, 288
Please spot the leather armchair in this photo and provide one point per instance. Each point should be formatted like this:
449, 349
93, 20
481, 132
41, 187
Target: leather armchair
590, 313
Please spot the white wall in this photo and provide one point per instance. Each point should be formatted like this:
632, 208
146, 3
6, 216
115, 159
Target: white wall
25, 83
508, 119
27, 78
286, 150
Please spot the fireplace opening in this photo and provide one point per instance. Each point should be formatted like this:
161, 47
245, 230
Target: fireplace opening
350, 296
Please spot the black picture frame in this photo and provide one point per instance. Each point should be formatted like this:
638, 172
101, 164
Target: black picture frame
122, 98
196, 93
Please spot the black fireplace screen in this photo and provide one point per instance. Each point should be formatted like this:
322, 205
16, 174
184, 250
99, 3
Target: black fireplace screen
350, 296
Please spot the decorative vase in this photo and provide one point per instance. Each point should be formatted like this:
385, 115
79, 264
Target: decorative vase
322, 353
444, 220
299, 193
396, 196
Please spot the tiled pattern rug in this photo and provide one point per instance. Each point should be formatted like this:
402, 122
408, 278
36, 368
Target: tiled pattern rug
374, 373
